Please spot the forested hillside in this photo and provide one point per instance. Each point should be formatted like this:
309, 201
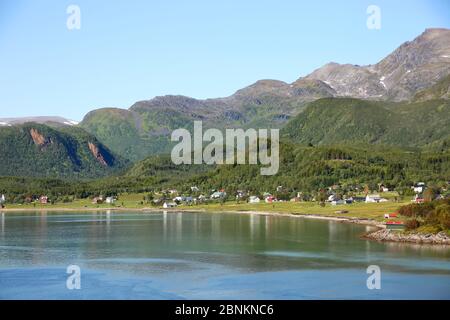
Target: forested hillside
353, 121
37, 150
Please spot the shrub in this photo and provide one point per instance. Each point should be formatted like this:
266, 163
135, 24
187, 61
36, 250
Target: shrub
443, 215
412, 224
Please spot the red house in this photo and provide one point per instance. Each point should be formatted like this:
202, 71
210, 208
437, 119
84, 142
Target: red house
270, 199
43, 200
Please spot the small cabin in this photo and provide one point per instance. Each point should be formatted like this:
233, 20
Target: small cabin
270, 199
395, 225
110, 200
97, 200
43, 199
169, 205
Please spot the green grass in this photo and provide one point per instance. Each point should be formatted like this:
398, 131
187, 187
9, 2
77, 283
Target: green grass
374, 211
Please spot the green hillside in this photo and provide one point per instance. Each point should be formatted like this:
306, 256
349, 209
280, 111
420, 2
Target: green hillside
36, 150
345, 120
145, 128
124, 132
302, 168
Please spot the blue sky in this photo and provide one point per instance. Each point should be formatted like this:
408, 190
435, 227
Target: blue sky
127, 51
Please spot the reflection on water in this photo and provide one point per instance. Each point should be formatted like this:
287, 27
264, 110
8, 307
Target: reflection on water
188, 253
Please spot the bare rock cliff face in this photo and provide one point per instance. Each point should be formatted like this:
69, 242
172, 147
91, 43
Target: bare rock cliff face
38, 138
97, 154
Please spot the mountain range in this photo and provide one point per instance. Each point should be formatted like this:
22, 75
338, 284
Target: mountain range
403, 100
144, 128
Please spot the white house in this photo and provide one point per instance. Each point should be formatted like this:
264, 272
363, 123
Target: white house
110, 200
2, 199
218, 195
374, 198
195, 189
254, 199
332, 197
419, 187
169, 205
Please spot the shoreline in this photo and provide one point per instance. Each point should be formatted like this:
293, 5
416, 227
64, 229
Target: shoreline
381, 234
356, 220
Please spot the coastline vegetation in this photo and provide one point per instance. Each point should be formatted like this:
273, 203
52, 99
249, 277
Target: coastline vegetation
428, 217
135, 201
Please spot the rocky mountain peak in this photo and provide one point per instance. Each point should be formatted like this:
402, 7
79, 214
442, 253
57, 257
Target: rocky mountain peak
413, 66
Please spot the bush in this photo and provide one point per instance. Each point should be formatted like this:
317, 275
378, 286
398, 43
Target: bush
412, 224
443, 215
435, 213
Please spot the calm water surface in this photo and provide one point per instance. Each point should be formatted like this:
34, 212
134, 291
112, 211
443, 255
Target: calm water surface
208, 256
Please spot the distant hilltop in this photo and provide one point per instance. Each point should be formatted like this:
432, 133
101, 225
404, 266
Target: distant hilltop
41, 120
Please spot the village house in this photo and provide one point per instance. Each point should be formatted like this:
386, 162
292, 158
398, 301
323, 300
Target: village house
332, 197
419, 187
179, 199
374, 198
218, 195
240, 194
110, 200
97, 200
418, 198
43, 199
359, 199
349, 200
270, 199
169, 205
390, 215
254, 199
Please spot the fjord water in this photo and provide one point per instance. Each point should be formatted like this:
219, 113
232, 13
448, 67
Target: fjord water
208, 256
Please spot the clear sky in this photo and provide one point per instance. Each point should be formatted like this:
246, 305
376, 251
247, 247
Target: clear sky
134, 50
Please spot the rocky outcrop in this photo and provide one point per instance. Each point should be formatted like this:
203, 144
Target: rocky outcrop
97, 154
390, 235
38, 138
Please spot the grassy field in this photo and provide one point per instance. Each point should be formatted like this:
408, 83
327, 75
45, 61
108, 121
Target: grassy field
374, 211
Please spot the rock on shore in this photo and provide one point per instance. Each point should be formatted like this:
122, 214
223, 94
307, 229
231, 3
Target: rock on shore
391, 235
